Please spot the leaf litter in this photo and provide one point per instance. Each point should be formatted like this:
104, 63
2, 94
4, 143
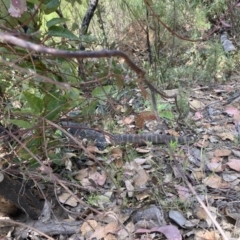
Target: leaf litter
141, 192
147, 174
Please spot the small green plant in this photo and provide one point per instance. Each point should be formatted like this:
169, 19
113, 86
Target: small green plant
98, 200
165, 111
182, 104
173, 146
92, 199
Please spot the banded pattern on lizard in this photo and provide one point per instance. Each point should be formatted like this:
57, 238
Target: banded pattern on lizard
79, 130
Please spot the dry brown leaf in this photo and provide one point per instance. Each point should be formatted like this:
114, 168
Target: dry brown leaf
121, 108
173, 133
89, 184
199, 175
215, 181
88, 226
222, 152
143, 195
234, 164
197, 116
215, 167
201, 213
98, 178
116, 159
206, 125
92, 169
116, 153
94, 149
68, 199
123, 234
216, 159
118, 163
142, 117
226, 136
128, 120
103, 231
233, 111
141, 178
171, 232
83, 173
131, 168
202, 143
67, 160
110, 237
206, 235
196, 104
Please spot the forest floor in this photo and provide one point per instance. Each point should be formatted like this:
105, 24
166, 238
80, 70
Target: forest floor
153, 191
